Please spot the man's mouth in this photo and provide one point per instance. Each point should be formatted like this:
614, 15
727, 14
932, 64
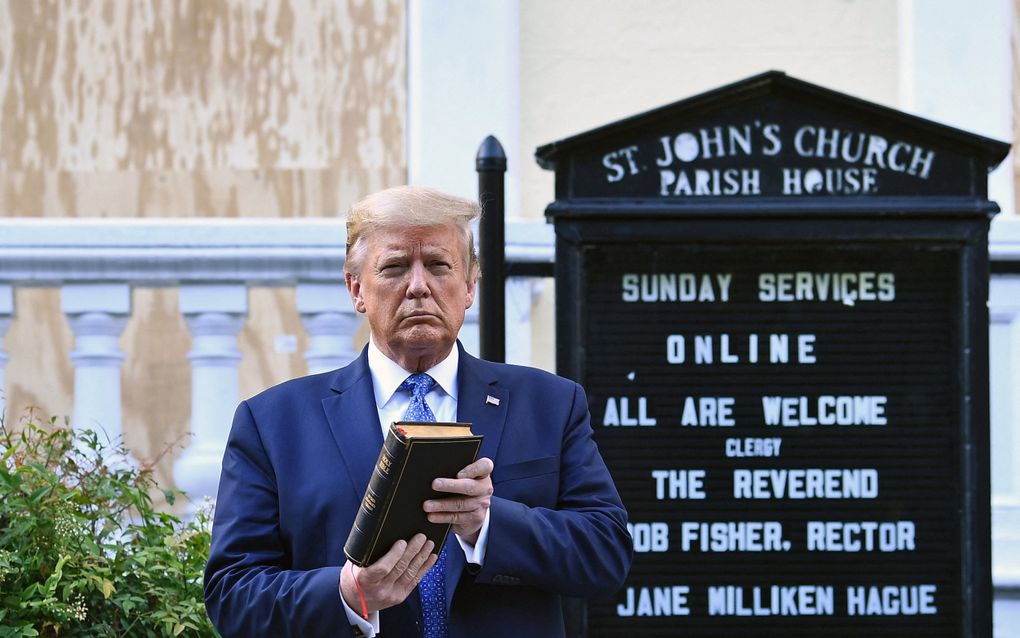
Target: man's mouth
419, 315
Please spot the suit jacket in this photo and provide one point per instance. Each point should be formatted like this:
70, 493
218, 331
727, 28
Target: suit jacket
298, 460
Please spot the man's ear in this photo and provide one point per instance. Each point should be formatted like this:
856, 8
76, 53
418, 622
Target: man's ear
354, 288
471, 286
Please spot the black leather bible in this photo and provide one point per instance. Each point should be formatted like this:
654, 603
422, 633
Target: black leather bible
412, 456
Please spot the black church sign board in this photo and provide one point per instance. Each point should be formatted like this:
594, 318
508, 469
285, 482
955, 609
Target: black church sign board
775, 296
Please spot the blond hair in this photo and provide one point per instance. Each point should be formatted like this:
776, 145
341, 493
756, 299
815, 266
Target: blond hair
409, 207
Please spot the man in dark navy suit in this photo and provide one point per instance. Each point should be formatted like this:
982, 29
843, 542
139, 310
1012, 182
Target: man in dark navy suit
535, 517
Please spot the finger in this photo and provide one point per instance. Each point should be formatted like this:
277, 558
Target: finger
429, 563
468, 487
411, 577
448, 505
457, 518
445, 517
479, 469
381, 568
397, 563
404, 562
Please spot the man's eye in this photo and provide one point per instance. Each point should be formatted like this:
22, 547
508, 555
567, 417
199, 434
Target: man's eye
440, 266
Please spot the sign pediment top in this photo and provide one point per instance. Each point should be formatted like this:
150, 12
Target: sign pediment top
771, 85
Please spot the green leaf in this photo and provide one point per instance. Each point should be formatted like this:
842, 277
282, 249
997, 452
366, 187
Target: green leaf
37, 495
179, 629
108, 589
170, 495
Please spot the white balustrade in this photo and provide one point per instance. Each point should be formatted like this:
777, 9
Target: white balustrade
6, 314
1004, 391
330, 320
521, 296
1004, 363
97, 314
213, 261
214, 315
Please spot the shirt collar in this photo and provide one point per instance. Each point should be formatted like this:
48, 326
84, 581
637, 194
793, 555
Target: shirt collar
387, 375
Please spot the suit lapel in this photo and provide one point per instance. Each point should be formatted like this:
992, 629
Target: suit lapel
484, 404
354, 421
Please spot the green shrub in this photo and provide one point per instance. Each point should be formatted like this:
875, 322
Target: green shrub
83, 551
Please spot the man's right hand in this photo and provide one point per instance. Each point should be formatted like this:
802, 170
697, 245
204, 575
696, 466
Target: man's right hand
389, 580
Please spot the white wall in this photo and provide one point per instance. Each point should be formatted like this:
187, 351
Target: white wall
958, 71
463, 86
585, 63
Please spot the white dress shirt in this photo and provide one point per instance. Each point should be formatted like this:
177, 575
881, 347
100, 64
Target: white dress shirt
392, 403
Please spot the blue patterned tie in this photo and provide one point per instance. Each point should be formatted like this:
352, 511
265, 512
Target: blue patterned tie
432, 587
418, 384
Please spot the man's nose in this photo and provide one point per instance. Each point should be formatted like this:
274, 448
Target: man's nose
418, 286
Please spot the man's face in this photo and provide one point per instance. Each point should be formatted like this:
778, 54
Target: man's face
414, 289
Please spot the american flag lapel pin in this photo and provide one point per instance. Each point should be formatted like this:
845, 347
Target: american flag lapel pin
491, 400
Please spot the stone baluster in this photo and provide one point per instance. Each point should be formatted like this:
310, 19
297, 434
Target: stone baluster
97, 314
214, 314
6, 314
330, 320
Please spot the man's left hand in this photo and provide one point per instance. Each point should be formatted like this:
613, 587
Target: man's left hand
466, 511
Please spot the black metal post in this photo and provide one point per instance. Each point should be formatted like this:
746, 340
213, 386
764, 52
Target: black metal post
490, 162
